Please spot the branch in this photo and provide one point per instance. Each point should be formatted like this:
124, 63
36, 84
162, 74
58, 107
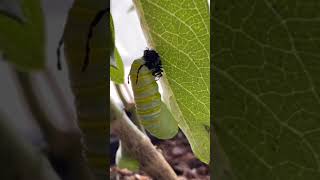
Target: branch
132, 113
20, 160
130, 108
128, 92
139, 146
120, 94
64, 146
25, 82
59, 96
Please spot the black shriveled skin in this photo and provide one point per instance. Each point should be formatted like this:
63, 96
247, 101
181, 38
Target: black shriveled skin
153, 62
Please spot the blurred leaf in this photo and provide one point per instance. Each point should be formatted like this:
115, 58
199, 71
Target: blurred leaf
23, 44
124, 160
267, 87
12, 8
117, 73
116, 63
112, 60
179, 31
113, 63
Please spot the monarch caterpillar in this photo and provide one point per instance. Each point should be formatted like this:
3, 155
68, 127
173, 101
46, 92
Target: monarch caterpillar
146, 91
91, 92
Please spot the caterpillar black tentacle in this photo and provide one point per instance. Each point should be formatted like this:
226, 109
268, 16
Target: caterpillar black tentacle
93, 24
58, 51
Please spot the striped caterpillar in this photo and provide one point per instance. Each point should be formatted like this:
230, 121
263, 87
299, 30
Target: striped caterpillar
86, 36
153, 113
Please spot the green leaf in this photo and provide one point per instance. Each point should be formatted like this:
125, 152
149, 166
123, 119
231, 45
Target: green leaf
179, 31
117, 70
23, 43
12, 9
267, 87
112, 60
116, 63
125, 160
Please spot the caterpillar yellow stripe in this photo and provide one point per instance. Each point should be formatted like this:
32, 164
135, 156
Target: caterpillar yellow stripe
146, 94
89, 88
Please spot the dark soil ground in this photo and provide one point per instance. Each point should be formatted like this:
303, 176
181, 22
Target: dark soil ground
178, 153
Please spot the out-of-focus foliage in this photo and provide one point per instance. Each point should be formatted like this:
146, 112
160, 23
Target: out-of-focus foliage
116, 63
19, 159
12, 9
22, 38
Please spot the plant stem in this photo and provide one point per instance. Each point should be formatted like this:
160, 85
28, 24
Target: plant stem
20, 160
121, 96
128, 92
25, 81
64, 146
59, 96
134, 117
140, 146
130, 108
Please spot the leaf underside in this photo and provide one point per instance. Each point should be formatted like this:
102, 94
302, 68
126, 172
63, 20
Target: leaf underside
266, 58
179, 31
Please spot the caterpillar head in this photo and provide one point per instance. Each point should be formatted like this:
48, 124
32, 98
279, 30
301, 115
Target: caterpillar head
153, 62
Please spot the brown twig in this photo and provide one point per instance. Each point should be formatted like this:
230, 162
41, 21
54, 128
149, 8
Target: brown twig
140, 146
130, 109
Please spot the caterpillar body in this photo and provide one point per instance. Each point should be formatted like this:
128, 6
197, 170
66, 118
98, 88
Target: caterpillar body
154, 115
145, 89
86, 25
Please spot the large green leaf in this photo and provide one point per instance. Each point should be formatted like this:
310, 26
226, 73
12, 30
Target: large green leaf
23, 43
267, 87
179, 31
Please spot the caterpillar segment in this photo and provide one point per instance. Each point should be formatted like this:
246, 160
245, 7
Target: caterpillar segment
146, 95
90, 89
